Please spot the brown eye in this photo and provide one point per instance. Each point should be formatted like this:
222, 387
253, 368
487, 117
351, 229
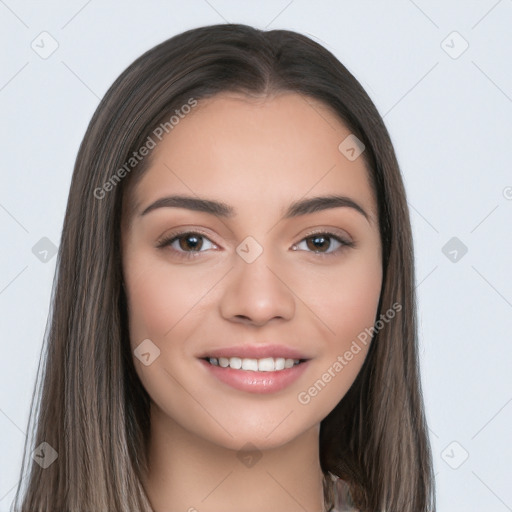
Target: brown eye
318, 243
323, 243
190, 241
186, 244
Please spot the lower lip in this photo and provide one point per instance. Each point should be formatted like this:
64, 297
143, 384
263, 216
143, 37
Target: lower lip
257, 382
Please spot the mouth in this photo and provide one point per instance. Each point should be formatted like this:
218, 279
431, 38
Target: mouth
256, 368
266, 364
257, 376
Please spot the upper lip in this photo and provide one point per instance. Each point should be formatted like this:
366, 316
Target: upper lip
255, 352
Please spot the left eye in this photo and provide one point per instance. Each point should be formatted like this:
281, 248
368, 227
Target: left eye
318, 241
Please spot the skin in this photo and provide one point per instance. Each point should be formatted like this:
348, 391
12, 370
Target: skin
257, 155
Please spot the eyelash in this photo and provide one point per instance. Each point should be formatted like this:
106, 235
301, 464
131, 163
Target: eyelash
169, 239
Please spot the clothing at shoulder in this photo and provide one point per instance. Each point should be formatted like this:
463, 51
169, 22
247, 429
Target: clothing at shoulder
342, 498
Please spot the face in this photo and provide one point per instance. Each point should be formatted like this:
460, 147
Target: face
199, 283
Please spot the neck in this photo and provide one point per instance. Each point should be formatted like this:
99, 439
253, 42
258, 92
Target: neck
190, 473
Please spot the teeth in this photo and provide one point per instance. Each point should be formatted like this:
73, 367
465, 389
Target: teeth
288, 363
235, 362
249, 364
268, 364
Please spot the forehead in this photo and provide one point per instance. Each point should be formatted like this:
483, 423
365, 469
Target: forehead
255, 152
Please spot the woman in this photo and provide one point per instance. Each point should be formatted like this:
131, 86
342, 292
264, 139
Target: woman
233, 325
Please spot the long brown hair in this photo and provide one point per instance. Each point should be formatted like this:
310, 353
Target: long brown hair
92, 408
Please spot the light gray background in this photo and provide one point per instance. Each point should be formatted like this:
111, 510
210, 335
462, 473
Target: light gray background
450, 118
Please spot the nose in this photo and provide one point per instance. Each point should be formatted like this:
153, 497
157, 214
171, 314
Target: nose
257, 293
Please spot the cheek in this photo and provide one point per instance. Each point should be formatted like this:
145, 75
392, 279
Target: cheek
160, 297
357, 296
345, 299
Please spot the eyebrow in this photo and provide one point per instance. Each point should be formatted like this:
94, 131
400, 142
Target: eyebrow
220, 209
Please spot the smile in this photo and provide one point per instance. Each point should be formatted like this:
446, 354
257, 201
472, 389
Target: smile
267, 364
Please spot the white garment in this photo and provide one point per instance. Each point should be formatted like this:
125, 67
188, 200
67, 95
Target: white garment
342, 498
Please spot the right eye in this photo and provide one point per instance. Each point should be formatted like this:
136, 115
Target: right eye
185, 243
